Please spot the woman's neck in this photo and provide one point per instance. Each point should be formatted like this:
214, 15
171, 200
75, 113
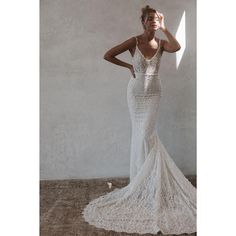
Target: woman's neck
149, 35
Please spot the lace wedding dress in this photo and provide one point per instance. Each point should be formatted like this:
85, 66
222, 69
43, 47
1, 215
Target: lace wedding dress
158, 196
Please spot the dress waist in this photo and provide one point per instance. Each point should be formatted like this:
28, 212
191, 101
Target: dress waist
147, 75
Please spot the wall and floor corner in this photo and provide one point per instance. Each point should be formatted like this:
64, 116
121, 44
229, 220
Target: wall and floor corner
85, 127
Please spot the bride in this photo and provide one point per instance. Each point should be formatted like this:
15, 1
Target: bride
158, 197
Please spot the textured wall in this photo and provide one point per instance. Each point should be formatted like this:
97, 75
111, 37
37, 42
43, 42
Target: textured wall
85, 128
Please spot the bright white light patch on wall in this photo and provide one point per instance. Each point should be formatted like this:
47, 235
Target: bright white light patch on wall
181, 37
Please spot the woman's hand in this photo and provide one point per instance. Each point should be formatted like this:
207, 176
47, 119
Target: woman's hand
162, 23
131, 68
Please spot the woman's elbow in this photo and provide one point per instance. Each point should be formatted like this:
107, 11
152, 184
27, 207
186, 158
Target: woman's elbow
106, 56
178, 48
175, 49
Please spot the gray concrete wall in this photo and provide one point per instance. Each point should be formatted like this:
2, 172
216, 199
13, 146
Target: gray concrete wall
85, 128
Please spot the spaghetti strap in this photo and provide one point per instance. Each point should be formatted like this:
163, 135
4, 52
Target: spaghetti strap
136, 41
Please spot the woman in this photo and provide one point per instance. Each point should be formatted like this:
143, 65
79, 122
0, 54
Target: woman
158, 197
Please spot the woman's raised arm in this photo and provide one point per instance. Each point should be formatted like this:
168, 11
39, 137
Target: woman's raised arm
172, 45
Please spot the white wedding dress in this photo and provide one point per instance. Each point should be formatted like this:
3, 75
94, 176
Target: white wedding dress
158, 196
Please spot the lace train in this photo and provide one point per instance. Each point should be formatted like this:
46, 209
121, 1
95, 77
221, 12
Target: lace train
159, 198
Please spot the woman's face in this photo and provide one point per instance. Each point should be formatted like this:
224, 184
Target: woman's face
151, 22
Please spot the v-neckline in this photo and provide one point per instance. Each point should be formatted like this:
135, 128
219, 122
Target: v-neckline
154, 53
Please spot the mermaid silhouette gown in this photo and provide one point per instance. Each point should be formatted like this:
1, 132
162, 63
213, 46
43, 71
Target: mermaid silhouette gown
158, 196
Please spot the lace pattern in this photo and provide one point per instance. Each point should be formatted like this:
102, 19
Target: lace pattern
158, 196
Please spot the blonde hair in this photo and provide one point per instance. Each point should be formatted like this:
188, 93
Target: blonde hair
145, 11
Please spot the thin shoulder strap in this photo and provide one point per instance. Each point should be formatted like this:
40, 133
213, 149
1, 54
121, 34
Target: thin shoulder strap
136, 40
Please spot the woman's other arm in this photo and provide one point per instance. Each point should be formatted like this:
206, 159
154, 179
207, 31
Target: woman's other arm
111, 54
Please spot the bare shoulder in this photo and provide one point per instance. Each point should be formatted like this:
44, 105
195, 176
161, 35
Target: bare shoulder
162, 43
122, 47
129, 43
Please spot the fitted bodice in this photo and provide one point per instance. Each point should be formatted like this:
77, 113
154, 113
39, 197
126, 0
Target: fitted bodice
146, 66
147, 81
